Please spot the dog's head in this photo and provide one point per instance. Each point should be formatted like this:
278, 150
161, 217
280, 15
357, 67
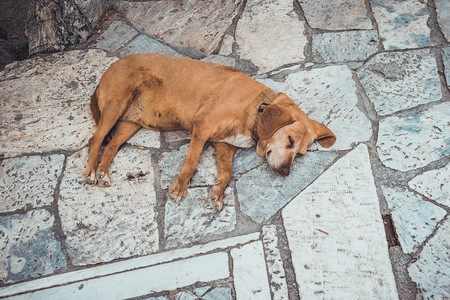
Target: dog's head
284, 131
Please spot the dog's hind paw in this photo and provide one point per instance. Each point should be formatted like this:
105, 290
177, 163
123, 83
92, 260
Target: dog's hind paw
103, 179
216, 200
91, 178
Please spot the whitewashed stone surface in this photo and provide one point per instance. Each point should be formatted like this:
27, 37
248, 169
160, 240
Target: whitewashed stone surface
45, 101
399, 80
277, 276
29, 248
29, 180
146, 138
434, 184
443, 16
402, 24
432, 270
352, 260
328, 95
195, 217
249, 272
414, 218
406, 143
116, 36
102, 224
270, 34
328, 15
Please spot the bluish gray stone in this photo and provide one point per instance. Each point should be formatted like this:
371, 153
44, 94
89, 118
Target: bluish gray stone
245, 160
116, 36
262, 192
144, 44
443, 15
446, 58
222, 293
344, 46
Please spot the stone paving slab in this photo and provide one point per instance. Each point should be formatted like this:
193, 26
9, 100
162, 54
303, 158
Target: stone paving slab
438, 191
116, 36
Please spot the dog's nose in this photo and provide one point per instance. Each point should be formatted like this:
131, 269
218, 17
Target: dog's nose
285, 169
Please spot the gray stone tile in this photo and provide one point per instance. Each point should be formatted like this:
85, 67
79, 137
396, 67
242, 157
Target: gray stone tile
262, 192
45, 101
223, 293
328, 15
144, 44
146, 138
406, 143
29, 247
28, 181
434, 184
344, 46
328, 95
102, 224
116, 36
199, 217
221, 60
336, 234
173, 21
246, 159
399, 80
432, 270
270, 34
402, 24
446, 59
443, 16
414, 218
227, 45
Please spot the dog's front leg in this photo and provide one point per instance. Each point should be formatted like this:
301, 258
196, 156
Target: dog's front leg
224, 158
179, 186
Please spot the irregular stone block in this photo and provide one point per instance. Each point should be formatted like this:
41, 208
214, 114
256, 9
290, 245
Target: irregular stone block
432, 270
223, 293
270, 34
45, 101
399, 80
328, 15
443, 16
344, 46
29, 180
227, 45
262, 192
144, 44
102, 224
435, 184
402, 24
221, 60
414, 218
328, 95
29, 247
172, 21
446, 59
146, 138
245, 160
406, 143
116, 36
199, 217
336, 234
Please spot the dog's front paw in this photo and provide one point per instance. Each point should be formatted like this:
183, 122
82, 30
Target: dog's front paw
216, 198
103, 178
178, 189
91, 177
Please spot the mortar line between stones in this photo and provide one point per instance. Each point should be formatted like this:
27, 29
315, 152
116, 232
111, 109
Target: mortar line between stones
425, 242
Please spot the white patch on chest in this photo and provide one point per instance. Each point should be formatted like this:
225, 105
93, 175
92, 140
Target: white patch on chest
240, 141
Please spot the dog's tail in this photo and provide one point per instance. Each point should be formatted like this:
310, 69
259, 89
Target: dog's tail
95, 110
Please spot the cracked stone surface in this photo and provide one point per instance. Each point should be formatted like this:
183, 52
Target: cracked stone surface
327, 15
434, 184
29, 181
446, 58
414, 218
29, 247
146, 138
402, 24
102, 224
431, 270
45, 101
406, 143
116, 36
270, 34
399, 80
328, 95
211, 294
335, 250
443, 16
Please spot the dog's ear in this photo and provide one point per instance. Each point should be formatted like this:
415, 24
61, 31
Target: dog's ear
272, 118
323, 134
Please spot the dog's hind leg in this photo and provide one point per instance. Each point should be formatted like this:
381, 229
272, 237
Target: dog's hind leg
224, 159
124, 131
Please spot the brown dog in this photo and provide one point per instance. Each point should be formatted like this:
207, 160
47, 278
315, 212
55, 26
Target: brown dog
216, 103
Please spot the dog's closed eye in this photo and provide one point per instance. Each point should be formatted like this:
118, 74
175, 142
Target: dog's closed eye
291, 143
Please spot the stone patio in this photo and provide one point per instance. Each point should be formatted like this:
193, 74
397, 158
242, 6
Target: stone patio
365, 219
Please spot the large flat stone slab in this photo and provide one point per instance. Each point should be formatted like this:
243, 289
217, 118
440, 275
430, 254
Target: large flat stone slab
402, 24
406, 143
45, 101
29, 247
414, 218
432, 270
434, 184
103, 224
262, 192
173, 21
116, 36
443, 16
328, 95
270, 34
336, 234
328, 15
446, 59
29, 180
399, 80
145, 44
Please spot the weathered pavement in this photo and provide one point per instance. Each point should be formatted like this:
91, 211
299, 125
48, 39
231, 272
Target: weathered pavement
365, 219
